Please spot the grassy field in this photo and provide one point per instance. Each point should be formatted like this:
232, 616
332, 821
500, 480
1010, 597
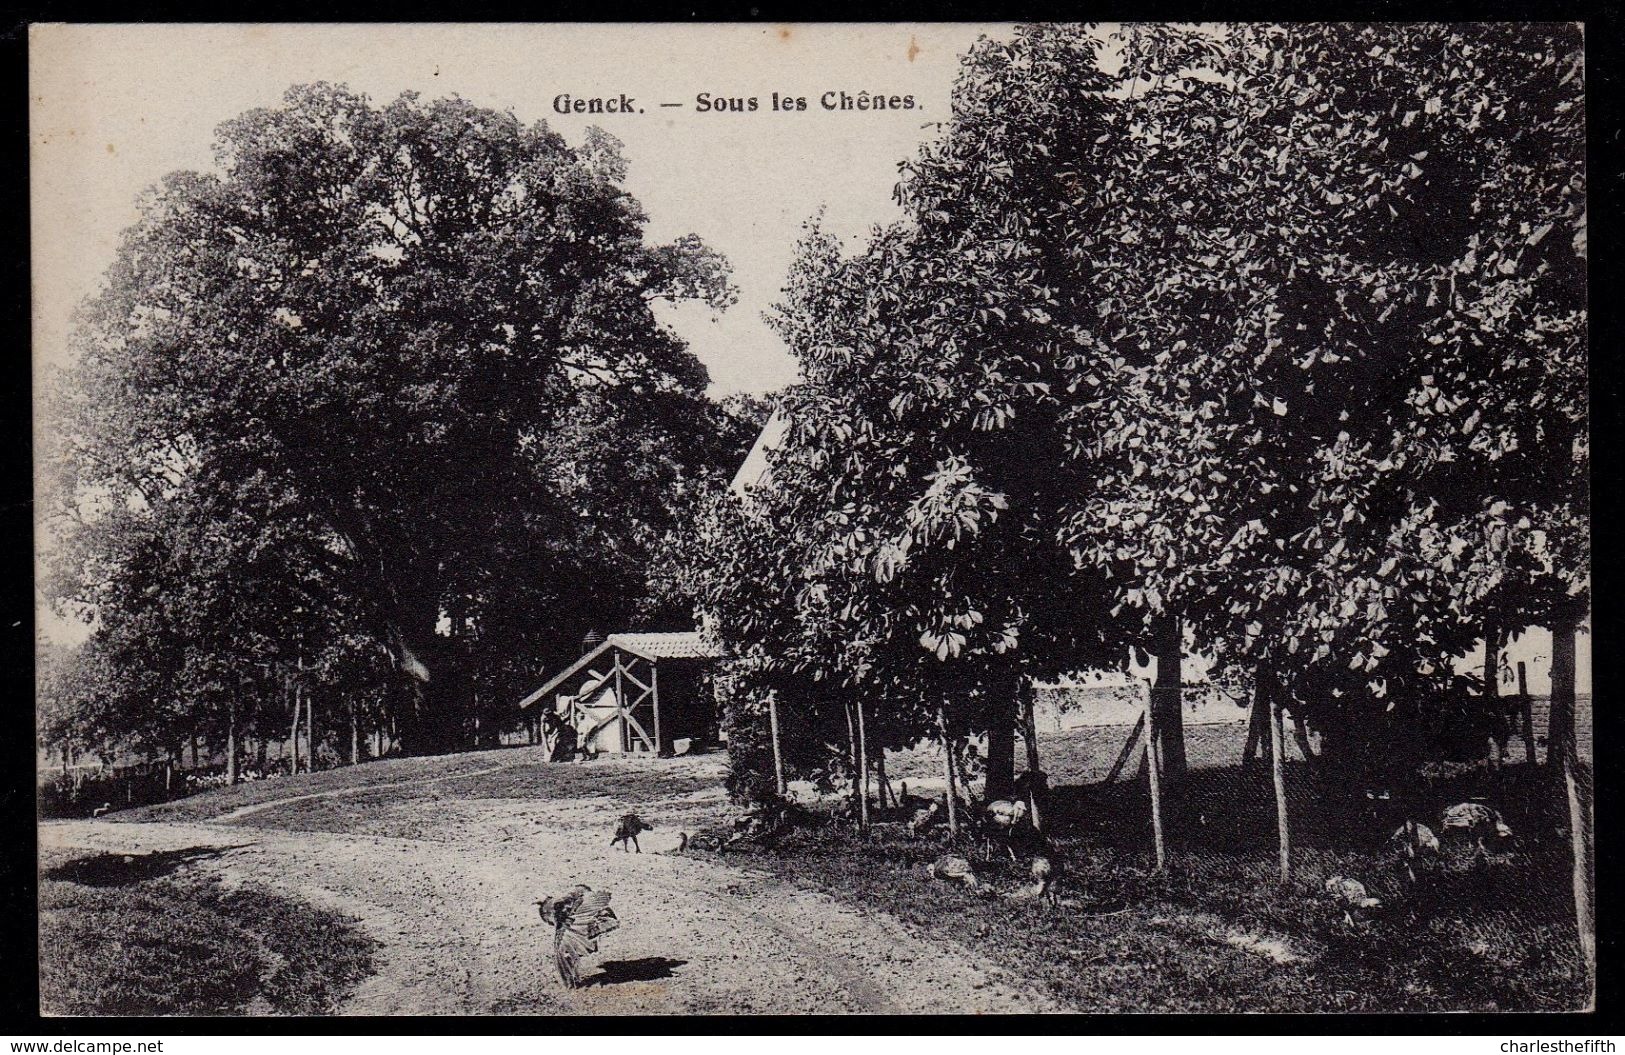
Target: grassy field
146, 935
1216, 931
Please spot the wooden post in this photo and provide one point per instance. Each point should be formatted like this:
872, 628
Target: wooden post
1577, 788
231, 743
1492, 693
620, 705
1153, 769
1029, 733
1526, 710
1278, 775
654, 699
948, 769
852, 747
863, 770
773, 724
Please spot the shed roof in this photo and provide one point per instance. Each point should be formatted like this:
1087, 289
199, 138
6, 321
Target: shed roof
687, 644
683, 644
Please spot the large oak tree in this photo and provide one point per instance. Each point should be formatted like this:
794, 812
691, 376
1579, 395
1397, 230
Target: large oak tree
421, 341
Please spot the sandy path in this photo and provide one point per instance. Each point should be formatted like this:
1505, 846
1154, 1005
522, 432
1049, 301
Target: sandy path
461, 935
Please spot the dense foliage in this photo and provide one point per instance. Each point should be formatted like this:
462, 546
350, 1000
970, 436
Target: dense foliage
387, 395
1277, 331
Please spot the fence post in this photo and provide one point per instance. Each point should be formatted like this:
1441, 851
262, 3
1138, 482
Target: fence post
773, 722
1278, 775
1153, 769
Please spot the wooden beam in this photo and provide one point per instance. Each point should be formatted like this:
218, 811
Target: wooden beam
620, 705
626, 671
630, 726
654, 691
564, 675
1128, 749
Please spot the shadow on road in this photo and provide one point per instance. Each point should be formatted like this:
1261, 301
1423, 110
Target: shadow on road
113, 870
647, 969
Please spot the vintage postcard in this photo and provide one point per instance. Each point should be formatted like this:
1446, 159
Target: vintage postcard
813, 519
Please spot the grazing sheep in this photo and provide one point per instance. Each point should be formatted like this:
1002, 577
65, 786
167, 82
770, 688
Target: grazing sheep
627, 829
1350, 895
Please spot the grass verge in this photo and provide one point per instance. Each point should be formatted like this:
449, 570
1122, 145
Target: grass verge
144, 935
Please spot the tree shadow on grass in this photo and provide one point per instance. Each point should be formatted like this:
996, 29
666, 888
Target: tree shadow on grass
115, 870
646, 969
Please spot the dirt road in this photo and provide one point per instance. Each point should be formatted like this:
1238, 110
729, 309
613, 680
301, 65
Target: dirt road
454, 910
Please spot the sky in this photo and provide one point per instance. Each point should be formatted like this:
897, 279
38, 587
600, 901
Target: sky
114, 108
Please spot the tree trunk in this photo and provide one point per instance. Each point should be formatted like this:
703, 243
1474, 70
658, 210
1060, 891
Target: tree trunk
1153, 770
231, 744
435, 718
1258, 729
194, 750
1001, 750
883, 788
1300, 733
773, 724
1560, 710
1577, 789
948, 773
863, 771
355, 736
1278, 775
1167, 700
310, 729
293, 731
1526, 711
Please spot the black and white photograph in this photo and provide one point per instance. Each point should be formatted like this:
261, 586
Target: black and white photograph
698, 519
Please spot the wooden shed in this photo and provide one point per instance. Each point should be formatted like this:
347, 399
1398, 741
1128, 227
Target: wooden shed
635, 693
